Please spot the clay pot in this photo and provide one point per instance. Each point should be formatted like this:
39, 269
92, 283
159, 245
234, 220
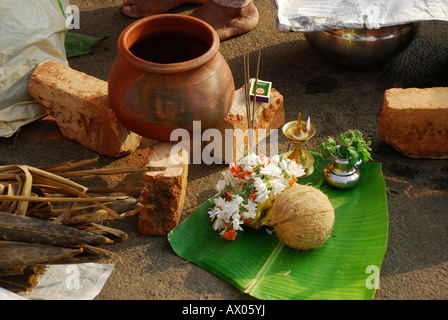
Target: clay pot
168, 73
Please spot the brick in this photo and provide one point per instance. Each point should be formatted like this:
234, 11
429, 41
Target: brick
164, 189
415, 121
80, 105
268, 116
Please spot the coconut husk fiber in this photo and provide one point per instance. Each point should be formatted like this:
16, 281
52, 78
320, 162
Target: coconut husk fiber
303, 217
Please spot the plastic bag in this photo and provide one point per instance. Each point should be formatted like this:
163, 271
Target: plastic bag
31, 32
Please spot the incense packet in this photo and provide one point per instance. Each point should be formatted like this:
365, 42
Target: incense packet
263, 90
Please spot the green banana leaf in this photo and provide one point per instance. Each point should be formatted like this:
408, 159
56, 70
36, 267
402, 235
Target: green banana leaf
346, 267
77, 44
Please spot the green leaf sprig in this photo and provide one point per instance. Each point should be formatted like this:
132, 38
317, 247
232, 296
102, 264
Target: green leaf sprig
351, 146
77, 44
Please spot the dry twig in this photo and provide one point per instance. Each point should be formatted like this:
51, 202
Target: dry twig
37, 194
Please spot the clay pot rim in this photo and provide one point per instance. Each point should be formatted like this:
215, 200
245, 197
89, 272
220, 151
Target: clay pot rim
123, 48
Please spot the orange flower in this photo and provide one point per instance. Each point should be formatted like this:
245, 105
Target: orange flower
252, 196
246, 173
229, 194
236, 170
229, 234
245, 220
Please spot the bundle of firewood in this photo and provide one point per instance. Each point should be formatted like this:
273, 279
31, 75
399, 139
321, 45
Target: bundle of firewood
48, 217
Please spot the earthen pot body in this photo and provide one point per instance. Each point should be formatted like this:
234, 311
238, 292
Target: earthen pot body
152, 98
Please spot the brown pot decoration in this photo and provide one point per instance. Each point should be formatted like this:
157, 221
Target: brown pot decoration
168, 73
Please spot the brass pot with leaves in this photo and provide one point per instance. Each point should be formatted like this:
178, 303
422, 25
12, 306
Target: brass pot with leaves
343, 172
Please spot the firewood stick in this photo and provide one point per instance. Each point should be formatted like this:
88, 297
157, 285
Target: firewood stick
58, 199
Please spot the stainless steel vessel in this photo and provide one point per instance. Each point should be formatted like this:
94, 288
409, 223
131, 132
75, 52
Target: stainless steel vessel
362, 48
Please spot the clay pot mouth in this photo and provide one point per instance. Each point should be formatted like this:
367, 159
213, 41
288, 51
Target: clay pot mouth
181, 25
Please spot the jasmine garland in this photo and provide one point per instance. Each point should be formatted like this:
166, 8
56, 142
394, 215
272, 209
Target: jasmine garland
249, 186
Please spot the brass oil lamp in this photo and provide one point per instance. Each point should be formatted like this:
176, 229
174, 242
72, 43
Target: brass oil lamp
299, 132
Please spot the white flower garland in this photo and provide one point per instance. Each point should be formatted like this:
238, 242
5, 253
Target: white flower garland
248, 184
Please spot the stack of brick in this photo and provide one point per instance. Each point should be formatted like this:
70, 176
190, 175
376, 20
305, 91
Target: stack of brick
80, 106
415, 121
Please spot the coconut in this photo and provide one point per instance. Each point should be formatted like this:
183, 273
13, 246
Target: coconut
303, 217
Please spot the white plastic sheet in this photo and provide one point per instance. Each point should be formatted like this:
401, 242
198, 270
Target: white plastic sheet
31, 31
82, 281
312, 15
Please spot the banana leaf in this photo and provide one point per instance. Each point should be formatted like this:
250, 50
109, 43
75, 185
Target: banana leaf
346, 267
77, 44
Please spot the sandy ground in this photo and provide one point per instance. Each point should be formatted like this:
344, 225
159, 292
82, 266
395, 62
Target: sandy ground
415, 265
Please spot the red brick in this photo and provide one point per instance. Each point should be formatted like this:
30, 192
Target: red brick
268, 116
415, 121
164, 189
80, 105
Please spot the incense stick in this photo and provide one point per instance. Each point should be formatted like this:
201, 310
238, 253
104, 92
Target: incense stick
250, 112
255, 88
247, 92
